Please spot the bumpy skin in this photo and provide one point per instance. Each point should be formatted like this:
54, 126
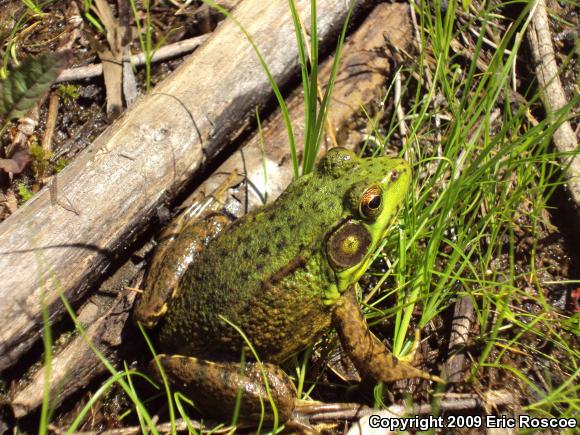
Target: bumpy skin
179, 245
282, 275
268, 273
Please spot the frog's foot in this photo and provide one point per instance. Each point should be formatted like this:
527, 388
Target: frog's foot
367, 353
214, 387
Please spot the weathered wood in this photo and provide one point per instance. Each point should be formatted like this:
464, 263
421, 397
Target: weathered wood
106, 197
365, 65
364, 69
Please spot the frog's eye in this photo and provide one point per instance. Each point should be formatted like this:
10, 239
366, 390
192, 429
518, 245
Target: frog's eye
371, 202
348, 245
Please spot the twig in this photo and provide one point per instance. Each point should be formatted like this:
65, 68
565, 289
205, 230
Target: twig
164, 427
180, 425
55, 200
552, 94
463, 321
457, 402
403, 129
164, 53
111, 56
50, 122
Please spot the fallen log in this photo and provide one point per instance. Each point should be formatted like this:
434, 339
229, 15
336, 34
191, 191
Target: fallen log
364, 68
63, 240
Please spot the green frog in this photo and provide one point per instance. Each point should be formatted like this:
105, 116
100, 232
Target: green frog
281, 276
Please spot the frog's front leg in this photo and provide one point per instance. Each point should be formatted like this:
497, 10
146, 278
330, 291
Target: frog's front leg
367, 353
214, 387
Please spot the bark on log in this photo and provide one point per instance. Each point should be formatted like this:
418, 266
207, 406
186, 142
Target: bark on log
363, 70
115, 186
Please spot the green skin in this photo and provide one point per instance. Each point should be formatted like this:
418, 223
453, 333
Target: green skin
283, 275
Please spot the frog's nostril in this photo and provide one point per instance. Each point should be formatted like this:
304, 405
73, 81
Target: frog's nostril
394, 175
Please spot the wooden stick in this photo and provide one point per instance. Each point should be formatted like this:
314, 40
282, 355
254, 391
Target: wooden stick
140, 163
164, 53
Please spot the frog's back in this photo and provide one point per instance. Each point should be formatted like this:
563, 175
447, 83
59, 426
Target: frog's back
265, 274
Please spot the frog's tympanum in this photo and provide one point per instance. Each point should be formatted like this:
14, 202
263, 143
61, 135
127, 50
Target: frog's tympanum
282, 275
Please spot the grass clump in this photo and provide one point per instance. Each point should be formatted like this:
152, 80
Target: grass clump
477, 220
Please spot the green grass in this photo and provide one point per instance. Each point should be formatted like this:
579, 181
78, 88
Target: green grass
117, 377
315, 112
33, 7
145, 32
91, 18
24, 22
489, 177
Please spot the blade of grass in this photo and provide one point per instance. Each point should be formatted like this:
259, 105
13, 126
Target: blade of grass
45, 410
104, 388
163, 377
264, 377
277, 93
308, 163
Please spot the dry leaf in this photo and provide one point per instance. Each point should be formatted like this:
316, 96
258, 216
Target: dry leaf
17, 163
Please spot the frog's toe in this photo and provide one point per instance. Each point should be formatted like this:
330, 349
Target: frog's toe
214, 387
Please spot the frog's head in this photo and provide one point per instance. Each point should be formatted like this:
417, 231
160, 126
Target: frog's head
373, 190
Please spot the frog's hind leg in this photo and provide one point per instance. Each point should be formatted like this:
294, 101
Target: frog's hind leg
367, 353
214, 387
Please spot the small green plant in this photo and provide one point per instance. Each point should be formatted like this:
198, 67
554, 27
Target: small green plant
61, 164
91, 18
10, 40
145, 33
40, 158
69, 92
315, 114
24, 191
117, 377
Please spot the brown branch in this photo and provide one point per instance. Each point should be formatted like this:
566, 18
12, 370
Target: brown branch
164, 53
553, 96
462, 327
459, 402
